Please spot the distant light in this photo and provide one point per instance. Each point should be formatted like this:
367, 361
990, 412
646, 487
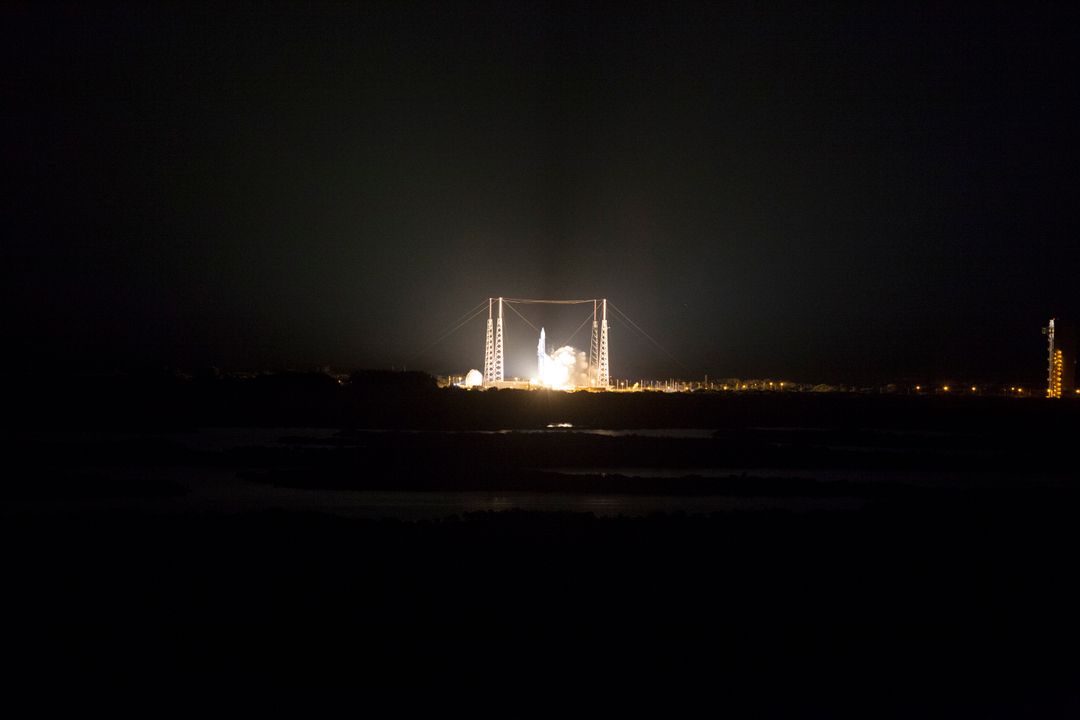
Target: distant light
972, 388
946, 388
918, 387
560, 425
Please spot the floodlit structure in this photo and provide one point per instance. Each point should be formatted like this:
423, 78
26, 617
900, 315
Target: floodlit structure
599, 373
598, 347
1061, 359
493, 347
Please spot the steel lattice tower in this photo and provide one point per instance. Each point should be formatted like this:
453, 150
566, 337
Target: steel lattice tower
603, 376
599, 371
599, 375
498, 366
489, 348
594, 348
493, 346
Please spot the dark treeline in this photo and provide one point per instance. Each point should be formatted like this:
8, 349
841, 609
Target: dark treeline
410, 400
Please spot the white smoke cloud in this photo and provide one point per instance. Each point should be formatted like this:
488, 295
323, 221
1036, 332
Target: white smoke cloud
565, 368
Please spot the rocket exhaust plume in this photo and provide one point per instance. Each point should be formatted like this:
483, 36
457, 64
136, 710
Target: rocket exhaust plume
562, 369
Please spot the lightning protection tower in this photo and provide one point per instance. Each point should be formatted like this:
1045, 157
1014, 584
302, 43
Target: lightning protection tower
493, 346
599, 375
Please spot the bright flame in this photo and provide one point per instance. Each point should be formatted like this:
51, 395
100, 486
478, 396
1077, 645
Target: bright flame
559, 369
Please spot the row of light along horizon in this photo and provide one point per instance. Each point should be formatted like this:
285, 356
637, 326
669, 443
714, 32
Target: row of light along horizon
1061, 374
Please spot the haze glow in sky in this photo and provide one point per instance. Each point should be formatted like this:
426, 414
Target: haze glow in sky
809, 191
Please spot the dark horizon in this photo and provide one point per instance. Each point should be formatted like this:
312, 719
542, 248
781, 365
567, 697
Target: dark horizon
824, 194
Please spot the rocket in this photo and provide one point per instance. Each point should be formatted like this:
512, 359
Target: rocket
541, 356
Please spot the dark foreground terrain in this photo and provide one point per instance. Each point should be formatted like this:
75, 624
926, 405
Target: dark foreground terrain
944, 587
898, 607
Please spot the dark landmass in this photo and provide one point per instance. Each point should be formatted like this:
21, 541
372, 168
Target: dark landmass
948, 591
410, 401
599, 484
54, 483
897, 609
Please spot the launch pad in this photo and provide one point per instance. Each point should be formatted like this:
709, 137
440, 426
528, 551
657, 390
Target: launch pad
598, 364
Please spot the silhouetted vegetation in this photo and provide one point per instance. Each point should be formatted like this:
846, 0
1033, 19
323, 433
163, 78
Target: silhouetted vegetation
405, 381
409, 400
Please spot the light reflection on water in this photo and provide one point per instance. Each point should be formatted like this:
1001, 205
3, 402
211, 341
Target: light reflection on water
216, 491
219, 490
437, 505
690, 433
928, 478
563, 429
215, 439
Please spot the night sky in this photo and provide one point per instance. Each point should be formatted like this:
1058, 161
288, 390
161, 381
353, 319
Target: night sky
819, 193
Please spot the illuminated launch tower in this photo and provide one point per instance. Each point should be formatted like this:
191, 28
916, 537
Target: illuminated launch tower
599, 375
1061, 360
493, 347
